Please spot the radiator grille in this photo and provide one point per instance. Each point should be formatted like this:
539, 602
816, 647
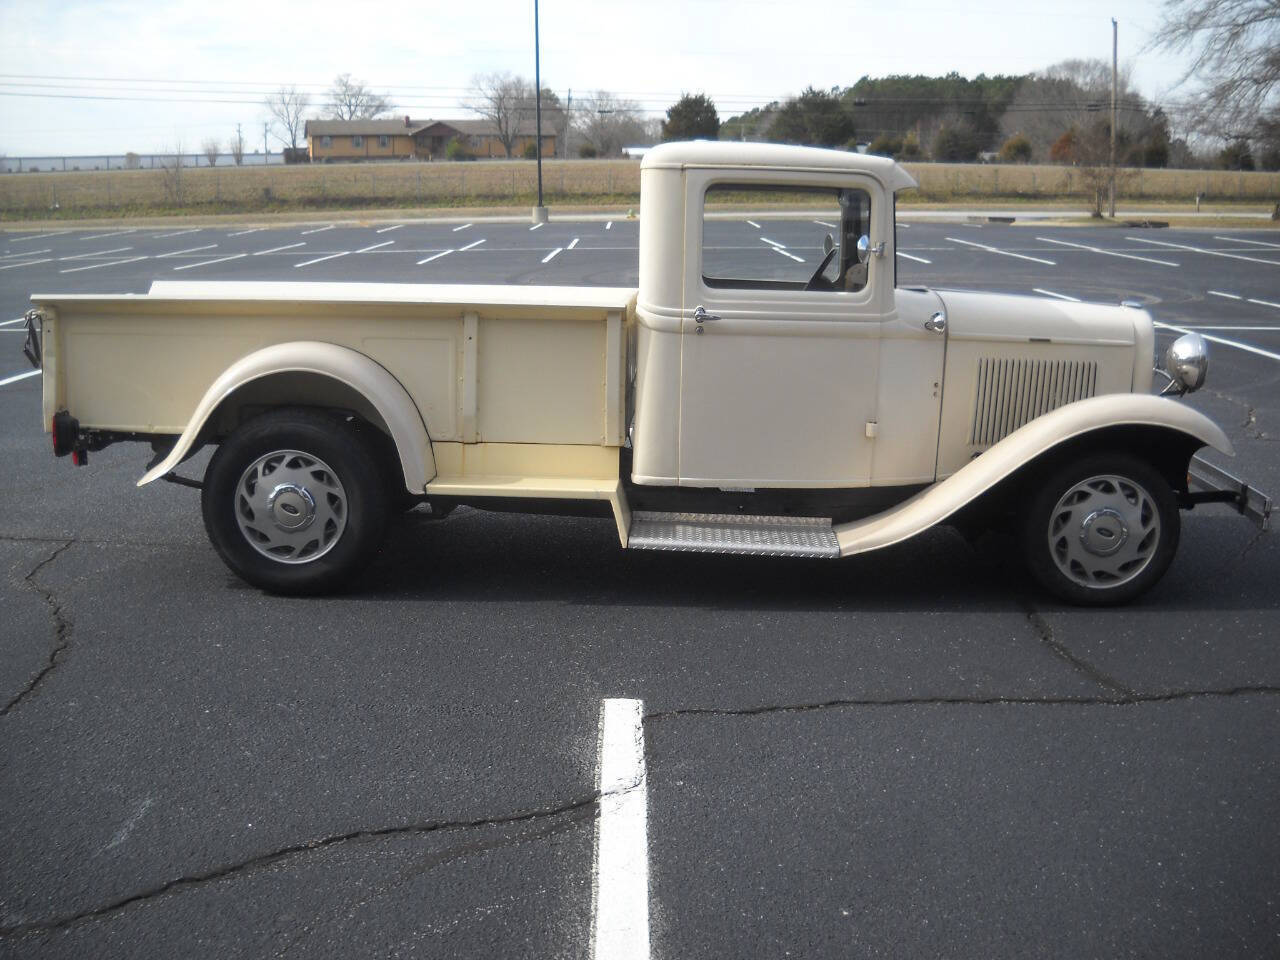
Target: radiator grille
1014, 392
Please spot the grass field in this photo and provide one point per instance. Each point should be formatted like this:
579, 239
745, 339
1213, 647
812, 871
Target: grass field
216, 190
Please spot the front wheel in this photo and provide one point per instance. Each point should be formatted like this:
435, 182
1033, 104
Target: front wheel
1100, 530
294, 503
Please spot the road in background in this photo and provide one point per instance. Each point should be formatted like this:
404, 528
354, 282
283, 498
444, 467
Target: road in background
909, 753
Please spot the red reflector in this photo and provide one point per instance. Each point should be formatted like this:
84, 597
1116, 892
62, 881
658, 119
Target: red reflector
80, 457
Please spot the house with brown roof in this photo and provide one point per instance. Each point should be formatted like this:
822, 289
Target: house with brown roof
346, 141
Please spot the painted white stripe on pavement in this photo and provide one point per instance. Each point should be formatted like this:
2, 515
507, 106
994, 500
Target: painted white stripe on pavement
537, 226
99, 266
20, 376
331, 256
375, 246
754, 224
26, 253
205, 263
609, 225
37, 236
287, 246
552, 254
1247, 347
1217, 326
389, 229
10, 323
1060, 296
177, 233
472, 245
241, 233
572, 243
435, 256
316, 230
1211, 253
178, 253
1003, 253
26, 263
96, 253
773, 243
1264, 303
99, 236
823, 223
1260, 243
1109, 253
916, 259
786, 254
463, 227
621, 928
1229, 296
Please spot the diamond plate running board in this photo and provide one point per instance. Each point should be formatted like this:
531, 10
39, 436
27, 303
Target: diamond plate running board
733, 533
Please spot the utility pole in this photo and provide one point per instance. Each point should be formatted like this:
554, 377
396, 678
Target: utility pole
1114, 37
540, 211
239, 146
266, 149
568, 123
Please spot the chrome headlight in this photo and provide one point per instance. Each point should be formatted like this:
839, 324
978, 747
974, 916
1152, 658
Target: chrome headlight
1187, 362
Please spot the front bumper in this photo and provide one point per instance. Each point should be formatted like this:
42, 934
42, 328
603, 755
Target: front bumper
1208, 483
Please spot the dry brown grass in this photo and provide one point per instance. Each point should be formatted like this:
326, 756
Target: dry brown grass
332, 187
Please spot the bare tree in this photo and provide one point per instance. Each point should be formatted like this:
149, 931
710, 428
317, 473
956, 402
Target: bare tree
609, 123
1067, 95
505, 101
352, 100
236, 147
1235, 48
211, 148
287, 106
171, 174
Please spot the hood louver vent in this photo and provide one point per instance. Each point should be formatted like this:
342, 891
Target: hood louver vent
1014, 392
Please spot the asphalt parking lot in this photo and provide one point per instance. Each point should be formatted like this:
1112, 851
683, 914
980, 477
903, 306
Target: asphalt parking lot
909, 753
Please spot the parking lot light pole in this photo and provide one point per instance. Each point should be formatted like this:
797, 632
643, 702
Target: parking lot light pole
540, 211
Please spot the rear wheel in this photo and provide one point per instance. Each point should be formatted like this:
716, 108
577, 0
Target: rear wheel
1100, 530
294, 501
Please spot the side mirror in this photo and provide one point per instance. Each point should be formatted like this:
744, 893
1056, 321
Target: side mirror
828, 244
864, 248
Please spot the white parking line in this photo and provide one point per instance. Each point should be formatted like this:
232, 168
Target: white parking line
316, 230
389, 229
621, 928
161, 236
1003, 253
1264, 303
916, 259
463, 227
26, 263
205, 263
472, 245
1229, 296
754, 224
331, 256
1109, 253
551, 255
99, 266
787, 254
287, 246
1060, 296
375, 246
26, 253
902, 226
823, 223
609, 225
773, 243
10, 323
1212, 253
1216, 326
536, 226
241, 233
20, 376
96, 253
99, 236
435, 256
1261, 243
572, 243
37, 236
178, 253
1247, 347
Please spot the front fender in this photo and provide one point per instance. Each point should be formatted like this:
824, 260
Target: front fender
387, 395
934, 504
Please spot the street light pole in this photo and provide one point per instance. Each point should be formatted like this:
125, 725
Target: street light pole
540, 211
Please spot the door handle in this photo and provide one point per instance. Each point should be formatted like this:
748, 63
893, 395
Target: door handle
937, 323
700, 314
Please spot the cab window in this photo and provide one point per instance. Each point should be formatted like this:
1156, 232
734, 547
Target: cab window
775, 237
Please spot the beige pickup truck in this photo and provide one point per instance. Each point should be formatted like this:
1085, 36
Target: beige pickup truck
789, 401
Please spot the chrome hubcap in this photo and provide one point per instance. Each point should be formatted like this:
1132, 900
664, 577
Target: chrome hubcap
1104, 531
290, 506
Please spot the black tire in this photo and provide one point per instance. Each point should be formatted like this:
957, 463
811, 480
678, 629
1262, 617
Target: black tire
332, 471
1108, 542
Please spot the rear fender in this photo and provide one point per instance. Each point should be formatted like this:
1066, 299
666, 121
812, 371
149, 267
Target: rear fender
1021, 448
383, 391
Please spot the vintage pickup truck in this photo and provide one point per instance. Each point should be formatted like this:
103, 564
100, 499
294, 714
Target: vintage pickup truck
784, 399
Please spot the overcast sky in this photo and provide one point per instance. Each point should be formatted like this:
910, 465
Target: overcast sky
742, 53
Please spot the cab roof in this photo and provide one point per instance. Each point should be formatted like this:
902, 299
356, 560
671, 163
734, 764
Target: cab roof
728, 153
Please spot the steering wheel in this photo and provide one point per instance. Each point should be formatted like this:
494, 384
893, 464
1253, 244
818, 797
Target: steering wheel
816, 282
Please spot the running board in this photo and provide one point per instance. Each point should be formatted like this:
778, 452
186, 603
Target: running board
734, 533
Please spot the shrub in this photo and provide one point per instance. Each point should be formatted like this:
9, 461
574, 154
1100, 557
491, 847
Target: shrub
587, 151
530, 151
886, 145
456, 150
1017, 149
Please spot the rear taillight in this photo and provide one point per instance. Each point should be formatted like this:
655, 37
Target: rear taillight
65, 430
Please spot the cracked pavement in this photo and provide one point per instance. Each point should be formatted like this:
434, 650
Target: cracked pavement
906, 754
